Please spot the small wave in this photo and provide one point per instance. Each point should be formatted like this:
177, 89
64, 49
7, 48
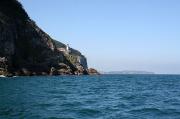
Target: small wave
129, 97
5, 111
171, 112
59, 118
89, 112
58, 92
72, 104
145, 110
44, 105
174, 101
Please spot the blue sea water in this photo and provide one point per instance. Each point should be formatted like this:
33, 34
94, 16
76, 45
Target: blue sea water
91, 97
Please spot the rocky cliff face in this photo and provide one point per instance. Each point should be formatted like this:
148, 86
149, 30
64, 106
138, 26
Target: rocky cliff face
74, 55
26, 50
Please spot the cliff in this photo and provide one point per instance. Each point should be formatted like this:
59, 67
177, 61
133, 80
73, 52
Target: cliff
27, 50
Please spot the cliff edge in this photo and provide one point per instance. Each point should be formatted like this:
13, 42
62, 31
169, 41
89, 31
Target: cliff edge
27, 50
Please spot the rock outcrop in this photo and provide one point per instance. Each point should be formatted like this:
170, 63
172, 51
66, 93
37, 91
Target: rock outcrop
27, 50
92, 71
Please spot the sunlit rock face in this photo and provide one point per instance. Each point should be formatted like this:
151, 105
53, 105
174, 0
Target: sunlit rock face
27, 50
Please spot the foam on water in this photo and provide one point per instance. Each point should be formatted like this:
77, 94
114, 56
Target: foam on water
2, 76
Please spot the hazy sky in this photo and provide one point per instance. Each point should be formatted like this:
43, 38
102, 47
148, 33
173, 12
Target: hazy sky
115, 34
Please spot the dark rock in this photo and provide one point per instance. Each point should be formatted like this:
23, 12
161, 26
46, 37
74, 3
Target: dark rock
92, 71
26, 50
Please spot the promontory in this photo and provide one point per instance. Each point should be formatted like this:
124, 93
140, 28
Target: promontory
26, 50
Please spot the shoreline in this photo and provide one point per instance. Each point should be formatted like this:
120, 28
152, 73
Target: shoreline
2, 76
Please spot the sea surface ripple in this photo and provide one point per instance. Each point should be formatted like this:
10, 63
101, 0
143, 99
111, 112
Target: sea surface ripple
91, 97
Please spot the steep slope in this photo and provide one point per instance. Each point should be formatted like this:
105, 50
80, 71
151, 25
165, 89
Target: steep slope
25, 49
75, 56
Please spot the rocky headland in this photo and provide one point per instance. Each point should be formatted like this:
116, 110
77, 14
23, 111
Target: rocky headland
26, 50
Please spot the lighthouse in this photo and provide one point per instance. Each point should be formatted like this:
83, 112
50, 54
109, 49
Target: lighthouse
67, 49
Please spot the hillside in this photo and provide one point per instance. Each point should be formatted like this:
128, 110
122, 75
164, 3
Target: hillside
25, 49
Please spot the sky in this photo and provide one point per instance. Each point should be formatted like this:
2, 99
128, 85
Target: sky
115, 35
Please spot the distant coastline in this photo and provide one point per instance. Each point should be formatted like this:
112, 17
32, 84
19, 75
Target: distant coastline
128, 72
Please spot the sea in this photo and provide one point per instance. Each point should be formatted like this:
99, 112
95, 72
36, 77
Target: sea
91, 97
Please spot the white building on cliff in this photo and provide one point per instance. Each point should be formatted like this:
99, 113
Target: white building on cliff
65, 50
